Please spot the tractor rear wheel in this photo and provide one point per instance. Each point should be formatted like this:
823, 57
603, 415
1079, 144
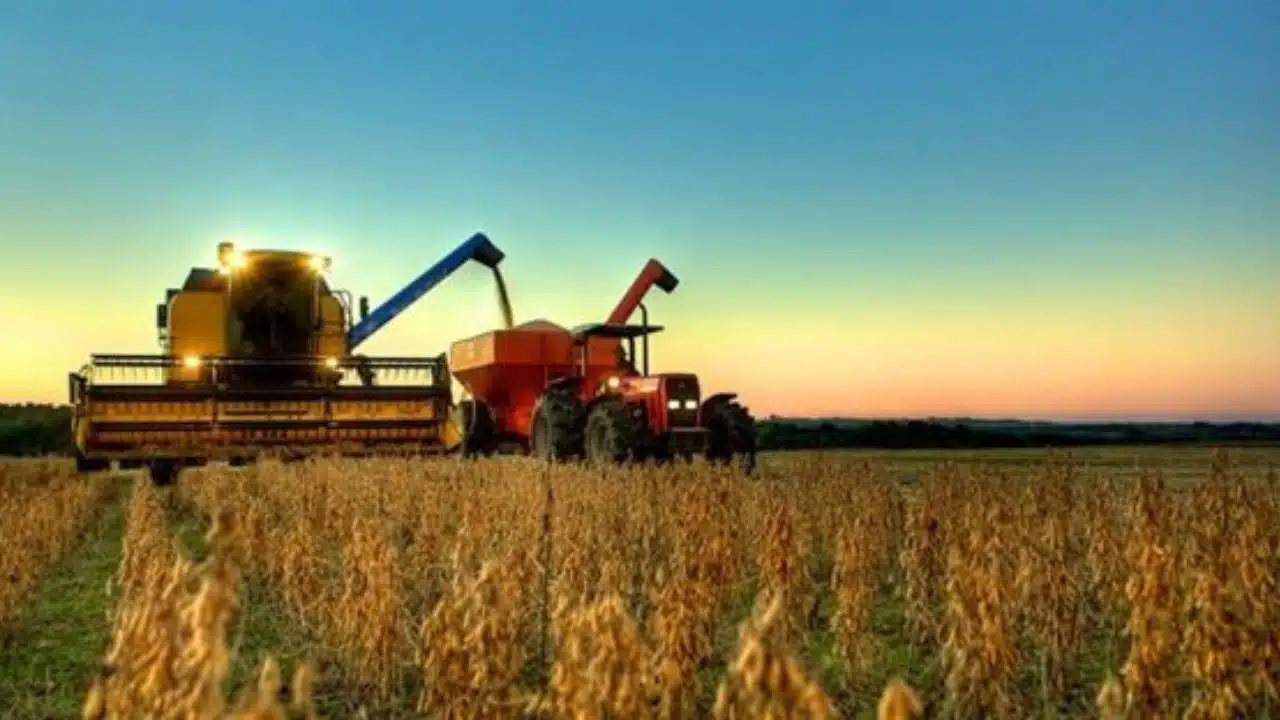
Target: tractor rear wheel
475, 424
614, 434
556, 432
731, 435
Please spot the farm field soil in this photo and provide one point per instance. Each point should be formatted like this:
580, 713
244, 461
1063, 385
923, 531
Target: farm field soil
992, 583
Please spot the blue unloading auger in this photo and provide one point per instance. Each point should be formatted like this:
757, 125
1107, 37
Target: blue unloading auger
478, 248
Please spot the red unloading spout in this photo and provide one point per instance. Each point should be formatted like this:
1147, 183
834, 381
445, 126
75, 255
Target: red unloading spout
654, 273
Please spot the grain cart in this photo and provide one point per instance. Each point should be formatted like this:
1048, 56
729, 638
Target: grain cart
259, 356
561, 393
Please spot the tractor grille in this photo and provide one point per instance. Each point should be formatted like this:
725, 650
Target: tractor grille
682, 389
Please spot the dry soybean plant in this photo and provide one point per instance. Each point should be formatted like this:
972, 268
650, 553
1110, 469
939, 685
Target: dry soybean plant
168, 656
44, 507
826, 587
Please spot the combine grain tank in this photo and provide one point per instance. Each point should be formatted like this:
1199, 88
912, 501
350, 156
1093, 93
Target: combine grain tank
258, 357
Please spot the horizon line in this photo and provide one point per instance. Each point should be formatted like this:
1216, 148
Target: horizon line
1269, 419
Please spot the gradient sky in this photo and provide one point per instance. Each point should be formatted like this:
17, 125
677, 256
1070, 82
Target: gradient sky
1055, 210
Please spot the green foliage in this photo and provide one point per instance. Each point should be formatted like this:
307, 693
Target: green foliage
32, 429
778, 434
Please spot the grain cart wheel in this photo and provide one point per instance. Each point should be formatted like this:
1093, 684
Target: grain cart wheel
731, 435
614, 433
163, 472
556, 433
475, 423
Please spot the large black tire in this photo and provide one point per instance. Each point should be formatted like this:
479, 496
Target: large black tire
731, 436
614, 433
555, 432
91, 465
477, 428
164, 472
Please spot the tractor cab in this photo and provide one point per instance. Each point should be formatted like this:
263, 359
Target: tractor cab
661, 411
616, 339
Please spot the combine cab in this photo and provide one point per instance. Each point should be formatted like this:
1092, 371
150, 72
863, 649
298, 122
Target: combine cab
563, 394
259, 358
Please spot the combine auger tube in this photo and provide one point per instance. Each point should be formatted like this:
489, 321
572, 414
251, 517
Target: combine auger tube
478, 248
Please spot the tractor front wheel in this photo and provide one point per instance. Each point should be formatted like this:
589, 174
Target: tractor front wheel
614, 434
731, 435
556, 428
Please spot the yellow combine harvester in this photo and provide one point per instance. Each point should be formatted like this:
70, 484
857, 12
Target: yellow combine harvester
259, 357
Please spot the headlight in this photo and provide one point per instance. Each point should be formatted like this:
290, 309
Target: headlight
232, 261
613, 382
690, 404
191, 361
331, 363
673, 404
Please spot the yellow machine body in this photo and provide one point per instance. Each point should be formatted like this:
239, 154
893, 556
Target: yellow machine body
215, 394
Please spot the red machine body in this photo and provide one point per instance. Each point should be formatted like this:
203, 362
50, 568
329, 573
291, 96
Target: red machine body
564, 393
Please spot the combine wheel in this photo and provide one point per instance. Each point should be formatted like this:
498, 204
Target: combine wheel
91, 465
556, 432
614, 434
475, 423
164, 472
731, 436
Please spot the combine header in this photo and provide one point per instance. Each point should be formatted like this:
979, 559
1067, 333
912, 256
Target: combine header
258, 358
562, 394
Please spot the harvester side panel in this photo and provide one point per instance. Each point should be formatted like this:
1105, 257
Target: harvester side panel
197, 322
332, 341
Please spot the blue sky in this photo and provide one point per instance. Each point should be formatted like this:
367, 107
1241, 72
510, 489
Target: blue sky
859, 179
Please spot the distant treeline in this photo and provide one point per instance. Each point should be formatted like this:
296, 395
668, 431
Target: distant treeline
35, 429
46, 429
929, 434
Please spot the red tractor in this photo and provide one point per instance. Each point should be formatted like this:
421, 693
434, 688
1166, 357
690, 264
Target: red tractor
565, 394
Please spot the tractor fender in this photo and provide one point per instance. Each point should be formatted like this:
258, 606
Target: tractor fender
717, 400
